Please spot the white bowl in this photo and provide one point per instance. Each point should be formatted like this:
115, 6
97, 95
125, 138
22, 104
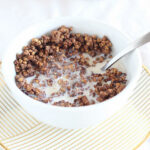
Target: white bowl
76, 117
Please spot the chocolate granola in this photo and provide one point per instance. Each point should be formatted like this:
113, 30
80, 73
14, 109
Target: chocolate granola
61, 60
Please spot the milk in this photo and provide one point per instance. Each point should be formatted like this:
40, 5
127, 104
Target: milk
96, 69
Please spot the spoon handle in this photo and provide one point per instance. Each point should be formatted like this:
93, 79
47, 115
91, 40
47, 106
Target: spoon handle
132, 46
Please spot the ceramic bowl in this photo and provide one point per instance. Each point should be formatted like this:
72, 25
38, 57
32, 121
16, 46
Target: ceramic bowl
76, 117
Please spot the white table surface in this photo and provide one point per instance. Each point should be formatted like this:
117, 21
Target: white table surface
130, 16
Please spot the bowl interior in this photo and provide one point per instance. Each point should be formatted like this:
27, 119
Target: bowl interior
82, 25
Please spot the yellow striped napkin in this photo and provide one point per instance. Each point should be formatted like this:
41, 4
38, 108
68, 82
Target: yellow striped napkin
125, 130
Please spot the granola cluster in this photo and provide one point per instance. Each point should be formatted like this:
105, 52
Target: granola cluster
56, 66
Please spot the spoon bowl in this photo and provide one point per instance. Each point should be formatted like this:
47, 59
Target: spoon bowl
131, 47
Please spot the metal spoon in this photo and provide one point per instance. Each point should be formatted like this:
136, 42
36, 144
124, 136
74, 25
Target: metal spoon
131, 47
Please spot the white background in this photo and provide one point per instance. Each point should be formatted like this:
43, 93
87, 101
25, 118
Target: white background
130, 16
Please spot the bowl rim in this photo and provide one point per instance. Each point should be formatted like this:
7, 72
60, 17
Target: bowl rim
80, 108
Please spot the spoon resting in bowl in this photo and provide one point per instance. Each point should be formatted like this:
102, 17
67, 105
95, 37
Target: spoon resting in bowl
131, 47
